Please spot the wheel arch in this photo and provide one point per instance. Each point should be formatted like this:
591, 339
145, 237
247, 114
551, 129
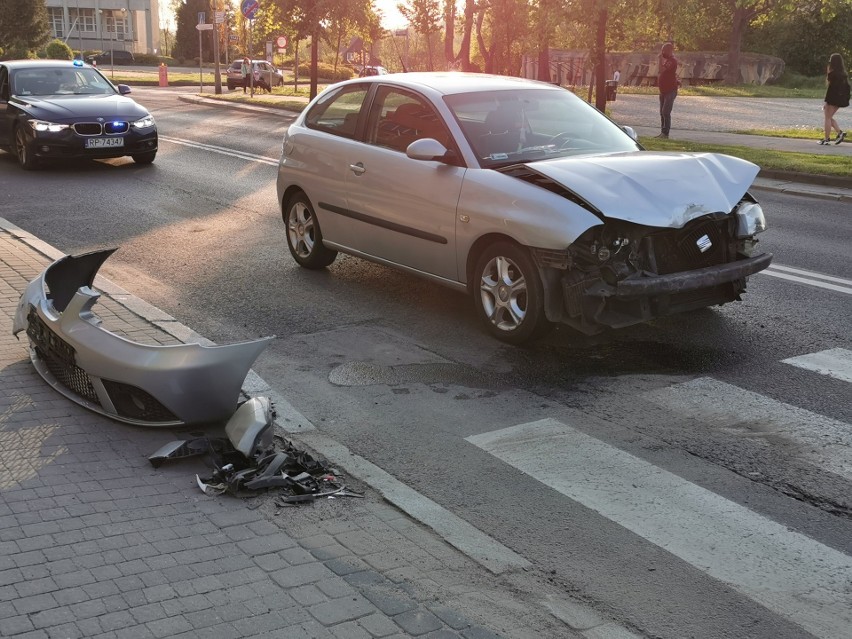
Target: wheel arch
289, 193
550, 278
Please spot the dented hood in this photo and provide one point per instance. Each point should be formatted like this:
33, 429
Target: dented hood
656, 189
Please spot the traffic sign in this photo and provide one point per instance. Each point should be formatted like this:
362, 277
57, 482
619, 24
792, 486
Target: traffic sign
249, 8
233, 37
204, 27
281, 42
218, 17
202, 17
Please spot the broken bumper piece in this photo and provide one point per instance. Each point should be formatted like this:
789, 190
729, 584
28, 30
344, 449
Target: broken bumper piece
135, 383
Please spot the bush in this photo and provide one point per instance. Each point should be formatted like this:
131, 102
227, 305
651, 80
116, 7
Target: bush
146, 59
326, 72
792, 80
58, 50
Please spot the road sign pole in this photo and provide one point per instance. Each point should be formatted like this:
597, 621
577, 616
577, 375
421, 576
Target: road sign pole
251, 57
217, 74
200, 81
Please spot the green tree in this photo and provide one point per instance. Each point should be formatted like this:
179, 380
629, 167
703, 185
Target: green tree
24, 28
58, 50
424, 16
186, 35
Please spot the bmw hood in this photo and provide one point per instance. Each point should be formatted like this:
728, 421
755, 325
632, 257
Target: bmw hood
73, 108
661, 189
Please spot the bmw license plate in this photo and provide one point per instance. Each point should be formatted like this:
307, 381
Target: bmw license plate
102, 143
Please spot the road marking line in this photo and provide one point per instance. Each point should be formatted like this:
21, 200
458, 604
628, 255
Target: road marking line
821, 441
814, 274
835, 362
794, 576
222, 150
804, 280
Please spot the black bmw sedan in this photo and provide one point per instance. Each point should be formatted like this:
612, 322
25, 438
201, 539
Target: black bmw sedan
66, 109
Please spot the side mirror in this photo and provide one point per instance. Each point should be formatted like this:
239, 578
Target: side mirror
629, 131
123, 89
426, 149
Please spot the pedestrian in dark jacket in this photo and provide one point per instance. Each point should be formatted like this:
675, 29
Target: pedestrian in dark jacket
836, 97
667, 83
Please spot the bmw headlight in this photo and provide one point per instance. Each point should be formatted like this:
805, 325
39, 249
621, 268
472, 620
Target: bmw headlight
750, 219
50, 127
143, 123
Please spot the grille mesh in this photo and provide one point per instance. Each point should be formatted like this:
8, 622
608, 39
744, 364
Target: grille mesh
135, 403
88, 128
59, 358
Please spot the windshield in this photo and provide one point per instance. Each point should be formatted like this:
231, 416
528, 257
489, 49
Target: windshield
60, 81
507, 127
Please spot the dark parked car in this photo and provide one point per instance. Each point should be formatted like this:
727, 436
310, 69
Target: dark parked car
269, 75
58, 109
111, 57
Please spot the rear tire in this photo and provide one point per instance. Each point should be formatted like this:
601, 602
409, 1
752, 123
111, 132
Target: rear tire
144, 158
508, 293
304, 238
23, 151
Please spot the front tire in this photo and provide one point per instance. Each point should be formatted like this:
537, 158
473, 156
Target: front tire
144, 158
508, 293
23, 151
304, 238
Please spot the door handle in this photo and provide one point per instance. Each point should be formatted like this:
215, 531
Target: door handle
357, 169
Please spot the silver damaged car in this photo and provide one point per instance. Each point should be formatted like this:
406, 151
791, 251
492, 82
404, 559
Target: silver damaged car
519, 193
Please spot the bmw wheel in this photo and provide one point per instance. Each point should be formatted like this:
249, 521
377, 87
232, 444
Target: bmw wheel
508, 293
304, 237
24, 151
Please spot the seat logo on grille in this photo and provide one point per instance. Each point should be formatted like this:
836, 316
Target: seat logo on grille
703, 243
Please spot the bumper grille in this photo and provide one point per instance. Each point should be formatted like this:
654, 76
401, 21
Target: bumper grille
96, 128
701, 243
59, 358
112, 128
135, 403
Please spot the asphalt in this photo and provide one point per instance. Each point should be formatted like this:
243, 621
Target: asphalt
95, 542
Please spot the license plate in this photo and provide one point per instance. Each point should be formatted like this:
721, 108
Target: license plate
101, 143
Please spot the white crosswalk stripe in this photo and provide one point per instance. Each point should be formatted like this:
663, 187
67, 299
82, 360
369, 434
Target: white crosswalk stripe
835, 362
796, 577
823, 442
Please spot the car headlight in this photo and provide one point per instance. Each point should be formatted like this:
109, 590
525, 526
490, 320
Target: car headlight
143, 123
50, 127
750, 219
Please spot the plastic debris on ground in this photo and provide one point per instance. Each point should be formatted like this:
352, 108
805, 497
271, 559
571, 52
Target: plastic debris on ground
251, 458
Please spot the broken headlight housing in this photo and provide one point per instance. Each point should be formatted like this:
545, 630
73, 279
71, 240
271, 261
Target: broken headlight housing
750, 219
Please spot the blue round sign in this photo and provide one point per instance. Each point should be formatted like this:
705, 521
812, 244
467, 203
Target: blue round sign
249, 8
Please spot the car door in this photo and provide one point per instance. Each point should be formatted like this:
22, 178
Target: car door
399, 209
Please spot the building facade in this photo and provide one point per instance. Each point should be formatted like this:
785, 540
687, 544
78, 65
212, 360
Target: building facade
90, 25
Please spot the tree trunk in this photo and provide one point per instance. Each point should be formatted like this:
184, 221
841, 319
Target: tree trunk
741, 19
600, 62
449, 31
464, 48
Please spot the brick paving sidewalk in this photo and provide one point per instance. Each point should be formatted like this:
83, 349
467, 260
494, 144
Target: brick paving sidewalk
94, 542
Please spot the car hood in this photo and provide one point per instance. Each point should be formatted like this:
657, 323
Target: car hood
72, 108
656, 189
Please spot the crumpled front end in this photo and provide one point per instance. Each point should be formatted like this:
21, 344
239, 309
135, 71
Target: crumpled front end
620, 273
164, 385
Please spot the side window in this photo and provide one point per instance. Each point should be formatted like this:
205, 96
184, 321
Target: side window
337, 113
4, 84
398, 119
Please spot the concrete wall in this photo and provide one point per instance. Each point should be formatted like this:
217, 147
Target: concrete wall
696, 67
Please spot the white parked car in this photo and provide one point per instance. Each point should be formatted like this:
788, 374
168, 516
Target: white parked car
519, 193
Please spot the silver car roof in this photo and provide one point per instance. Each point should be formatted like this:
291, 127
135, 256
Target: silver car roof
450, 82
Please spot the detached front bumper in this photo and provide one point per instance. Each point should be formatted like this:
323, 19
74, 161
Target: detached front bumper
673, 283
163, 385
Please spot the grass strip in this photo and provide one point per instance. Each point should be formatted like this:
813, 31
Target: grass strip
836, 165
